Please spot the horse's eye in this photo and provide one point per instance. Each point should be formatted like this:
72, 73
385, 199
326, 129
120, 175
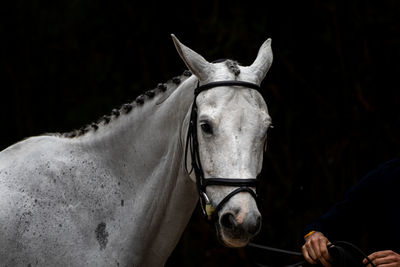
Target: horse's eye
206, 128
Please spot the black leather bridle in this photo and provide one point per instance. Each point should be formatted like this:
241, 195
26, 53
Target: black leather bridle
243, 185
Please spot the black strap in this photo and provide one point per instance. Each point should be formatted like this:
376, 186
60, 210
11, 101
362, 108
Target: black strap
207, 86
230, 182
229, 196
344, 254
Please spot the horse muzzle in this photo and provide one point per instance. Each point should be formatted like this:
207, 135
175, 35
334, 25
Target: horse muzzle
236, 226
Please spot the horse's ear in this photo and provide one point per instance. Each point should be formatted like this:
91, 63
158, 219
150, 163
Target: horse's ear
195, 62
263, 61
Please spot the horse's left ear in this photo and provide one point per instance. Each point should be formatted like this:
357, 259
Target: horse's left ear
263, 61
194, 61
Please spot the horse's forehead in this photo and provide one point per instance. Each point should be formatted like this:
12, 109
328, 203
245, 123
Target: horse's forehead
231, 70
223, 100
232, 100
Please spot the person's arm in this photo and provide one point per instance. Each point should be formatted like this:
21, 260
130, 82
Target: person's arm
346, 220
337, 223
342, 222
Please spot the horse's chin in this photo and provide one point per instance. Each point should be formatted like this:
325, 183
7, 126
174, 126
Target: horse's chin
235, 243
230, 241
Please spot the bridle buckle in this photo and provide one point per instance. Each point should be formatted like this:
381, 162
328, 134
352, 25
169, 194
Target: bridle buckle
206, 206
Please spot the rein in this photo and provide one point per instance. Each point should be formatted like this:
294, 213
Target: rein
192, 145
344, 254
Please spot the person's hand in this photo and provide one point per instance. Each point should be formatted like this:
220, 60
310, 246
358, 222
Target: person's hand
315, 249
386, 258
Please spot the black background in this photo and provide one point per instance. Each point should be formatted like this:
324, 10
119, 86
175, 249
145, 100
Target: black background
332, 90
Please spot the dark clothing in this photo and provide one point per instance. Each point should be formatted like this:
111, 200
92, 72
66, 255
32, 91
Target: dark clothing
369, 216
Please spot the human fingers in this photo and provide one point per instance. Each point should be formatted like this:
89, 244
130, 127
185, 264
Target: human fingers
372, 257
384, 260
379, 254
324, 262
325, 257
312, 246
381, 258
307, 256
393, 264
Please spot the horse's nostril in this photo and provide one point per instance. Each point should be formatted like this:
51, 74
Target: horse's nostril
228, 220
253, 228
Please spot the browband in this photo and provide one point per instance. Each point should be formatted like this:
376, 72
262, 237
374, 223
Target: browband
207, 86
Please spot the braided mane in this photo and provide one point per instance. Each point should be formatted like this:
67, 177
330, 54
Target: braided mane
169, 86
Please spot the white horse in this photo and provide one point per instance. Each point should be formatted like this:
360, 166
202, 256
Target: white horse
118, 193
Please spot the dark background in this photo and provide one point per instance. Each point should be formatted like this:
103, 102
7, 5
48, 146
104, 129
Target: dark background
332, 90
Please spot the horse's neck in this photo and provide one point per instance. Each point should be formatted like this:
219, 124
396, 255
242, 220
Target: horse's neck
147, 138
145, 147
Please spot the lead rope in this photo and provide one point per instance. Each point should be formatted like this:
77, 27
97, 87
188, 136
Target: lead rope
342, 257
338, 247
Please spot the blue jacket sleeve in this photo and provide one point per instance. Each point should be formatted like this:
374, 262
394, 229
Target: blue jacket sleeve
350, 218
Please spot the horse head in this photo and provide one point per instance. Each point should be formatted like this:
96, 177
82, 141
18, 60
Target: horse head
228, 138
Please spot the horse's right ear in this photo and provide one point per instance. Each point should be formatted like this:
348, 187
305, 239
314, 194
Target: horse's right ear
195, 62
263, 61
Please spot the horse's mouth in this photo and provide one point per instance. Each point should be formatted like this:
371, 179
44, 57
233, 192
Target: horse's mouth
232, 238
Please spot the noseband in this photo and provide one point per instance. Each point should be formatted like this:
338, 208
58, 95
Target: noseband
243, 185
